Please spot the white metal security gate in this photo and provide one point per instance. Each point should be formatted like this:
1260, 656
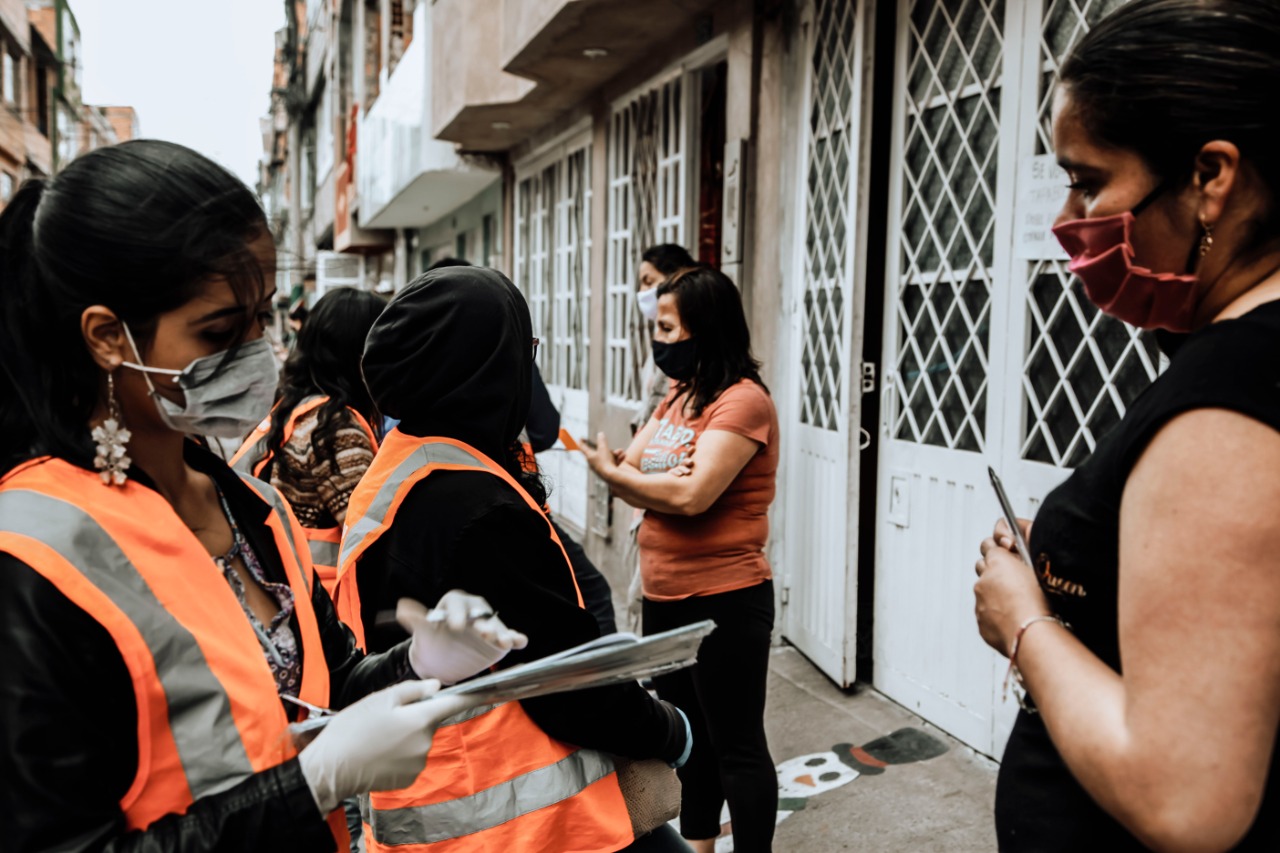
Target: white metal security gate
552, 252
993, 360
817, 571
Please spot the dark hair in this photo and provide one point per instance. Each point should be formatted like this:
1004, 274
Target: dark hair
298, 311
1164, 77
710, 308
138, 227
668, 258
449, 262
326, 361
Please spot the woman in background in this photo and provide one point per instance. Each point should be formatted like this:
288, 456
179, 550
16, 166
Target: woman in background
702, 546
316, 453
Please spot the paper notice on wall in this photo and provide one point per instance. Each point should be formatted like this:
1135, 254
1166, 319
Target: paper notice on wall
1041, 192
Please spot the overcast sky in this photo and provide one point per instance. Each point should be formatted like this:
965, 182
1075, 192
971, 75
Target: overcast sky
197, 71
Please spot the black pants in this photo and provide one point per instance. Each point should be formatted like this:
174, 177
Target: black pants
595, 589
723, 695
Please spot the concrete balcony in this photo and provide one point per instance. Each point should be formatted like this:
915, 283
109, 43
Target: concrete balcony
13, 18
347, 235
317, 48
407, 179
554, 54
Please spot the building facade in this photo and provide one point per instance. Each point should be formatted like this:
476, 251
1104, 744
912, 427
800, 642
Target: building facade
873, 174
44, 123
359, 191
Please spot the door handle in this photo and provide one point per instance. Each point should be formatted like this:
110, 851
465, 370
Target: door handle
888, 396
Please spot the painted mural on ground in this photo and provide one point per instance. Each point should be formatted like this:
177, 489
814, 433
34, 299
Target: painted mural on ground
807, 776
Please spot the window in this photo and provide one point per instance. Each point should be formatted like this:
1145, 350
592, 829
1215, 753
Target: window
324, 135
552, 256
42, 100
68, 137
10, 80
647, 203
308, 168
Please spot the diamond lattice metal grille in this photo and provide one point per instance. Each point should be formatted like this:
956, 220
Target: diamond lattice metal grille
948, 219
1082, 368
833, 73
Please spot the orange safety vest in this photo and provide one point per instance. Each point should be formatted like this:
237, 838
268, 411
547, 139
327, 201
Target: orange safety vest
252, 458
494, 781
208, 712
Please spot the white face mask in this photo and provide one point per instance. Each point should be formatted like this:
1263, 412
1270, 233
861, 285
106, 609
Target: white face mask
647, 301
225, 397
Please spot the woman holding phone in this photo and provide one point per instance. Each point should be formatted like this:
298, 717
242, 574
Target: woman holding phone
1147, 631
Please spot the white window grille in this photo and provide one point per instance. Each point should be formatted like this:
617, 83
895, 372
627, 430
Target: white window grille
568, 333
831, 157
1082, 368
648, 203
949, 157
552, 247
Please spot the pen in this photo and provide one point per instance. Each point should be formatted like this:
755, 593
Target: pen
388, 617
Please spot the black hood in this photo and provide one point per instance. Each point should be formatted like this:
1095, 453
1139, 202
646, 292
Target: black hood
452, 355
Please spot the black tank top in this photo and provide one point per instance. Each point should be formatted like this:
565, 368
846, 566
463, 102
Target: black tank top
1075, 541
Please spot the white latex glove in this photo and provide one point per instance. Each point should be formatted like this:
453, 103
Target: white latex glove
378, 744
460, 637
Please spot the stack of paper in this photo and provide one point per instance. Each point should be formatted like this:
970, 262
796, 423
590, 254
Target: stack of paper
607, 660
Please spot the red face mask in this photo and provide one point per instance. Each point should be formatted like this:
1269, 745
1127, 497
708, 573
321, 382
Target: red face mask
1101, 251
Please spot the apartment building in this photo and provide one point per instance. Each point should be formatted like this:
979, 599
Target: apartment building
44, 123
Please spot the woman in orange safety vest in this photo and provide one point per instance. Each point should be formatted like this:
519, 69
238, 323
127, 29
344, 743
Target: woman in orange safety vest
322, 445
159, 615
448, 504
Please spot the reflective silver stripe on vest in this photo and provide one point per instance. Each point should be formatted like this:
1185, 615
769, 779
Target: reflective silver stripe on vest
209, 746
271, 496
491, 807
251, 457
323, 553
426, 454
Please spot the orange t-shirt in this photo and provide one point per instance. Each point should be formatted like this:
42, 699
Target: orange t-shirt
721, 549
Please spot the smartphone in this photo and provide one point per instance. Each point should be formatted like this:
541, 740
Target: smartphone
1019, 541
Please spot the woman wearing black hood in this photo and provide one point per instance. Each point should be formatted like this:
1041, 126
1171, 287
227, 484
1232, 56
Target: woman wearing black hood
447, 504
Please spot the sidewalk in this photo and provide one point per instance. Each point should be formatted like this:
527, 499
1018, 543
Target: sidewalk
852, 779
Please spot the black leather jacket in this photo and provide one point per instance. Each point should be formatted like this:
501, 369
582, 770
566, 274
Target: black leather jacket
69, 729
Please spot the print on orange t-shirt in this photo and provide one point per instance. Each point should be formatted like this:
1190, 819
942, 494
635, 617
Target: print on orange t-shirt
722, 549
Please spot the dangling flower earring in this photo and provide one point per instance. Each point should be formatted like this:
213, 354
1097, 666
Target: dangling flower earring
1206, 239
111, 438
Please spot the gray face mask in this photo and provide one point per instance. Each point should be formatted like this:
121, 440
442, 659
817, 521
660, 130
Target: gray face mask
226, 397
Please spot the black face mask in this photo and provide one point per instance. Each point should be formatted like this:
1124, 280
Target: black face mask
679, 360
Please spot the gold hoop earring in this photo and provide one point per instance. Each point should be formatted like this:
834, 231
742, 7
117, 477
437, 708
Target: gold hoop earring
110, 438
